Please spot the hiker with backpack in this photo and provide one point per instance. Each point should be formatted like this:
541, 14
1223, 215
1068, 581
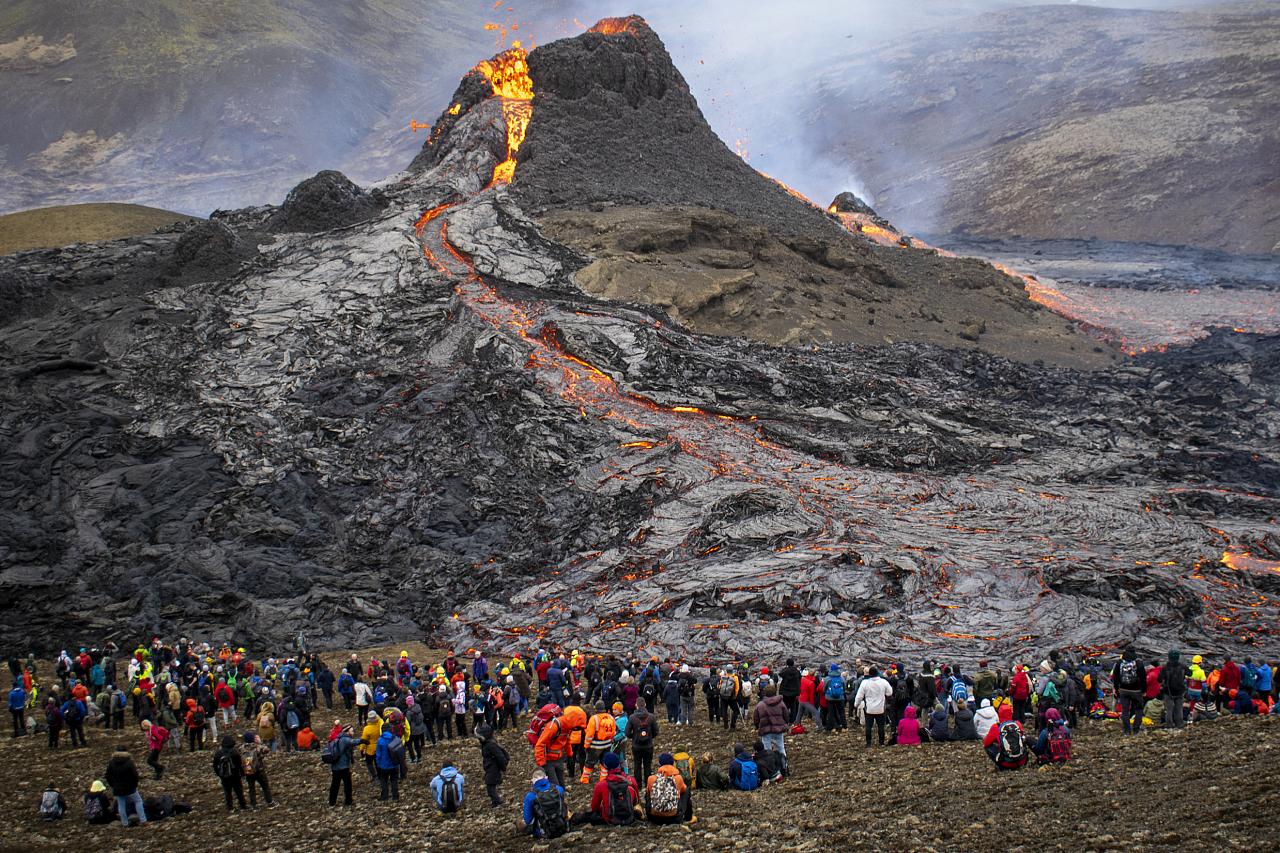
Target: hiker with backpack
388, 755
551, 745
1173, 684
729, 690
53, 721
744, 773
52, 805
1130, 680
642, 731
546, 814
18, 708
614, 798
688, 690
157, 737
253, 757
1053, 745
448, 786
600, 732
99, 807
1007, 746
495, 761
1020, 692
833, 690
73, 715
229, 768
339, 754
667, 796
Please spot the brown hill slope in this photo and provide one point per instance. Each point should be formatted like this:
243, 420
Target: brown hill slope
49, 227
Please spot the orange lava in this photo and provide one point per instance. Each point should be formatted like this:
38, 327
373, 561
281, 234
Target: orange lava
616, 26
1243, 561
508, 74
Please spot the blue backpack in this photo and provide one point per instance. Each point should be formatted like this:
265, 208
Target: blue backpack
748, 776
959, 691
834, 688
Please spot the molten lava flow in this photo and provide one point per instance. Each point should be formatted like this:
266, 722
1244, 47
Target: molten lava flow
508, 74
616, 26
1243, 561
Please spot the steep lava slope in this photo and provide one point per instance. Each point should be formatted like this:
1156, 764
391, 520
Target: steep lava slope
416, 421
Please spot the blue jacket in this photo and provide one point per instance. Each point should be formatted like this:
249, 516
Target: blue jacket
555, 681
735, 767
346, 684
540, 785
17, 699
382, 755
437, 784
1264, 678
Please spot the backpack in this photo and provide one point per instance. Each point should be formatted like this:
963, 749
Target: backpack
549, 813
291, 721
223, 765
748, 776
448, 794
495, 698
685, 764
834, 688
643, 738
120, 700
396, 750
664, 798
1128, 675
51, 806
606, 728
197, 717
545, 714
93, 809
1013, 748
728, 687
959, 691
329, 755
620, 805
1050, 693
72, 715
444, 707
1059, 745
251, 760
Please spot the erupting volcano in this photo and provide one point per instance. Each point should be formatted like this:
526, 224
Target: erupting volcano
582, 374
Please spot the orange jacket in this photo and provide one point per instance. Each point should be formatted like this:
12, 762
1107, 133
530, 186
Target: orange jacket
600, 730
553, 741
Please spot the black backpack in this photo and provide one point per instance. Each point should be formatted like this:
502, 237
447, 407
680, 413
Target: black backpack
223, 765
1128, 675
449, 795
620, 807
643, 738
549, 814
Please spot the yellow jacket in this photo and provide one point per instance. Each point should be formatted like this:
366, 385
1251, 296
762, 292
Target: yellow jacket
372, 731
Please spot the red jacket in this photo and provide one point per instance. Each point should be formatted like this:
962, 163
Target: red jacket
1229, 676
1153, 682
225, 698
1020, 687
600, 794
808, 689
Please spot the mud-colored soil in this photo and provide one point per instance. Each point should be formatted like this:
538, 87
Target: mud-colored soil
1212, 782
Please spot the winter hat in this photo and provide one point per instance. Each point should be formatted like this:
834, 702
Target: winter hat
408, 700
666, 758
97, 787
248, 737
484, 731
617, 708
1045, 666
228, 742
612, 761
1052, 715
537, 776
986, 703
684, 667
1174, 655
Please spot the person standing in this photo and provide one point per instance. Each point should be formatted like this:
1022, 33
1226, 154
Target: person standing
229, 768
253, 757
157, 737
1173, 683
18, 709
1130, 679
771, 719
344, 754
122, 778
642, 731
388, 755
873, 696
495, 761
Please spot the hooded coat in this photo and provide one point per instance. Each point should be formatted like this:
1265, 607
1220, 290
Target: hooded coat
771, 716
909, 727
985, 718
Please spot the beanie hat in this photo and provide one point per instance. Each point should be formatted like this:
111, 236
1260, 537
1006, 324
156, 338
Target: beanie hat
612, 761
228, 742
1052, 715
666, 758
248, 737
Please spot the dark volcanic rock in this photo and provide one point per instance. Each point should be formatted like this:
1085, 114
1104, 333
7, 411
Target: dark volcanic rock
326, 200
847, 202
210, 249
613, 120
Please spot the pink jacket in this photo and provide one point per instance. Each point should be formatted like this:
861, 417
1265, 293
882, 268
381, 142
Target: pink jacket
909, 728
156, 736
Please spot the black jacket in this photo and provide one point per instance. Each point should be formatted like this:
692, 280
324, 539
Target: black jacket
122, 775
789, 680
639, 721
495, 760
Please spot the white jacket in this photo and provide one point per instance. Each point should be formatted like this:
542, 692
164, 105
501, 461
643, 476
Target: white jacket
364, 694
875, 693
985, 718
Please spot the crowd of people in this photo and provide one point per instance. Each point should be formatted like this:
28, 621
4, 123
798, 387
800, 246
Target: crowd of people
587, 719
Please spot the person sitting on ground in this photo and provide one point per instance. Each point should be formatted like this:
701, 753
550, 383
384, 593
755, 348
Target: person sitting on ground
768, 763
985, 718
938, 731
546, 814
1153, 712
667, 796
1053, 745
908, 728
1243, 702
614, 798
448, 788
99, 807
1205, 708
1007, 746
965, 727
744, 773
709, 777
52, 805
